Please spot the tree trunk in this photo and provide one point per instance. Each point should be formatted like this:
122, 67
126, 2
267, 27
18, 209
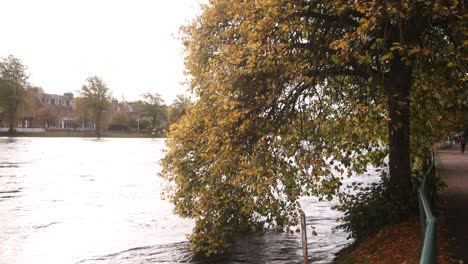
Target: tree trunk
11, 124
12, 119
398, 91
98, 125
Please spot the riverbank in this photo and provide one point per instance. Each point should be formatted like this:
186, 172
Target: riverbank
401, 243
81, 134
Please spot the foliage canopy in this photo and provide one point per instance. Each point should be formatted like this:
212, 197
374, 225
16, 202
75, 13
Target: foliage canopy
94, 101
13, 90
294, 95
153, 107
46, 115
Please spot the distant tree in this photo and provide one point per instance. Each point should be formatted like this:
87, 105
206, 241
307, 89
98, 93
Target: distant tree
47, 116
13, 83
33, 94
178, 108
120, 118
138, 106
133, 123
120, 121
95, 100
152, 106
32, 103
81, 110
145, 123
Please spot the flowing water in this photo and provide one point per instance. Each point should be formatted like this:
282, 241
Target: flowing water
81, 200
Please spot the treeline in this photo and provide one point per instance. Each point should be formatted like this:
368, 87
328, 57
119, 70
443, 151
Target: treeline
150, 114
157, 115
94, 108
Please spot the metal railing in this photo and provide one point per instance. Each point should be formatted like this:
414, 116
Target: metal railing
428, 221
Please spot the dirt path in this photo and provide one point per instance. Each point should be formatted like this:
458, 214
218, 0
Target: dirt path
453, 166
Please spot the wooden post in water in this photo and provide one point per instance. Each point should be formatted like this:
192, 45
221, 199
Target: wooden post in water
304, 238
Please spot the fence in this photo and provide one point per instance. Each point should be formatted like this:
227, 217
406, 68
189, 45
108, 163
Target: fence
427, 219
24, 129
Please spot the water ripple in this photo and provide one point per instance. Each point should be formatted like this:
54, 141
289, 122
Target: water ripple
169, 253
13, 191
46, 225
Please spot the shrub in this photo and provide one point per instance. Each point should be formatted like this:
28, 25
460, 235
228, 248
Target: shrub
119, 127
373, 207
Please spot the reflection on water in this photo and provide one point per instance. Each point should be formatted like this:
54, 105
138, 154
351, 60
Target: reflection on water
78, 200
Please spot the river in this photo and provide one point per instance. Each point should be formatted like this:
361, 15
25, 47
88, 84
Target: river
86, 201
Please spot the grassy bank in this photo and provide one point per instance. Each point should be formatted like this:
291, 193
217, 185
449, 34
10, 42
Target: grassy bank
81, 134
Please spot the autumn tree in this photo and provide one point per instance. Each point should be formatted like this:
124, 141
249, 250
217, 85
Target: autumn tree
178, 108
95, 101
153, 107
46, 115
13, 84
31, 103
120, 121
295, 95
143, 123
81, 110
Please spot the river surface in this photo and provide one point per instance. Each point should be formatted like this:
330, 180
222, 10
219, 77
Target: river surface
86, 201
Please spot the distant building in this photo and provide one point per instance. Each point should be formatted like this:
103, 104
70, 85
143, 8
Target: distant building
47, 111
64, 105
126, 107
64, 101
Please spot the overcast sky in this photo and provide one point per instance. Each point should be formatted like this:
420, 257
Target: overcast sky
132, 45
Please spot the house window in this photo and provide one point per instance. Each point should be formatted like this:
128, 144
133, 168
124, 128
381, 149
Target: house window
53, 101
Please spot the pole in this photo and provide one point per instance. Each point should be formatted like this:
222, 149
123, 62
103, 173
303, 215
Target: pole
304, 238
138, 123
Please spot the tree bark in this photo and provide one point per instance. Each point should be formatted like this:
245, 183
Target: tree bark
11, 123
398, 91
12, 118
98, 124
